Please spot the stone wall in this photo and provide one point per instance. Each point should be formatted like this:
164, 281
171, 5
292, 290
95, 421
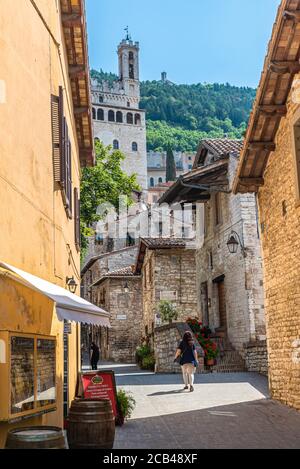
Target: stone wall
243, 279
256, 357
166, 341
279, 217
125, 316
164, 272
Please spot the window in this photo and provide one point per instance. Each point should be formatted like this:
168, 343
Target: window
128, 104
218, 212
160, 180
116, 145
129, 118
94, 113
100, 115
137, 119
62, 152
151, 182
119, 117
134, 146
131, 65
111, 116
100, 99
77, 219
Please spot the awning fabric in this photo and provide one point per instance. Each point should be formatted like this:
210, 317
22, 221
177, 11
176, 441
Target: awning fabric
68, 306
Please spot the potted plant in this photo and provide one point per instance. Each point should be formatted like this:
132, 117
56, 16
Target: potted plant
211, 352
126, 405
167, 311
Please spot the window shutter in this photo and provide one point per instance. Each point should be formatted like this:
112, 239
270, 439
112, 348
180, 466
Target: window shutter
77, 218
55, 136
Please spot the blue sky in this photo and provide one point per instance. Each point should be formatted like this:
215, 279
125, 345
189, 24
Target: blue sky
192, 40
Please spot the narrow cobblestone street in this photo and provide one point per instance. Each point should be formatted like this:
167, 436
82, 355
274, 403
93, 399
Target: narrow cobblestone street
225, 411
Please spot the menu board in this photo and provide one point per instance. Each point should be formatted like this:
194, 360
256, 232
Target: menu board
22, 374
46, 373
98, 385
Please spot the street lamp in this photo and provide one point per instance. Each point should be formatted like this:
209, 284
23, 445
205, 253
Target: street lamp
126, 288
71, 284
233, 243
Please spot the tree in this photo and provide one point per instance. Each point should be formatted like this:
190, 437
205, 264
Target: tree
105, 182
171, 166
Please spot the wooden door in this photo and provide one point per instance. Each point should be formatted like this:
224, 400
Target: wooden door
222, 305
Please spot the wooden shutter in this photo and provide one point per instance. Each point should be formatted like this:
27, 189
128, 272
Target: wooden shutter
77, 218
55, 137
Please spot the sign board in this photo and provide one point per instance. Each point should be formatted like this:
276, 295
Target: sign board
122, 317
168, 295
98, 385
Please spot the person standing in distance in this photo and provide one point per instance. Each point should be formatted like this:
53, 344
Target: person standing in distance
188, 360
95, 355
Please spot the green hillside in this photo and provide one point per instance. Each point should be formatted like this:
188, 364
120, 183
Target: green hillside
181, 115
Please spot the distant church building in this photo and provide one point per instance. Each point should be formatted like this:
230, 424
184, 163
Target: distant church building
118, 121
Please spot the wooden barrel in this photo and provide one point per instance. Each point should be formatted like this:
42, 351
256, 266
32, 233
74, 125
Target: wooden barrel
36, 438
91, 424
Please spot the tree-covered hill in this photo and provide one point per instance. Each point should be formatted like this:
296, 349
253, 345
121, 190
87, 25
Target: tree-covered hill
181, 115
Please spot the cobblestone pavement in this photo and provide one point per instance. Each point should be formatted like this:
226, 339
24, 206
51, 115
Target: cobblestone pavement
225, 411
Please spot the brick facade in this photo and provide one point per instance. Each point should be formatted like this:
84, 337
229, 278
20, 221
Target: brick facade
279, 217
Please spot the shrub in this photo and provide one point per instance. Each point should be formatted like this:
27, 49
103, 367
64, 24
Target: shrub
167, 310
126, 405
148, 363
142, 352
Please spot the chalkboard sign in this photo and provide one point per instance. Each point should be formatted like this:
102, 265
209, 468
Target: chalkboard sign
98, 385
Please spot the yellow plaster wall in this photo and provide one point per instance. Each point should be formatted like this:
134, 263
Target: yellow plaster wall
35, 233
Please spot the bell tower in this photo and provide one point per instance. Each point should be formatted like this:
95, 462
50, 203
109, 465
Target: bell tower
128, 52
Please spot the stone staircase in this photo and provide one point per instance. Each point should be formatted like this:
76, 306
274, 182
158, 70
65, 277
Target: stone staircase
229, 360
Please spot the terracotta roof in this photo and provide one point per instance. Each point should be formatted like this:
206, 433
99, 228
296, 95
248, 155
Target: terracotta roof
156, 243
125, 272
280, 67
219, 147
75, 34
197, 185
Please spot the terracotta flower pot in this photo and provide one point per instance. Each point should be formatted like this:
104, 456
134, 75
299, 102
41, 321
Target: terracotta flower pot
210, 362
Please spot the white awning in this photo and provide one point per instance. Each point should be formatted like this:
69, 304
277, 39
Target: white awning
68, 306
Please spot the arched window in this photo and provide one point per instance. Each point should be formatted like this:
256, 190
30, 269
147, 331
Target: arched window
116, 145
137, 119
129, 118
100, 99
160, 180
100, 115
134, 146
111, 116
119, 117
94, 113
151, 182
131, 65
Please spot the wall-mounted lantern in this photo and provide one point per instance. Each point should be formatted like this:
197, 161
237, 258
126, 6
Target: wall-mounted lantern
234, 242
126, 288
71, 284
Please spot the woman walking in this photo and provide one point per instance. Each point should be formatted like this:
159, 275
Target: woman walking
188, 360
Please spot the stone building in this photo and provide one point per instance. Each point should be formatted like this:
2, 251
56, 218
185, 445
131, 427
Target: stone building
45, 129
168, 270
118, 120
121, 292
269, 168
230, 286
157, 167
